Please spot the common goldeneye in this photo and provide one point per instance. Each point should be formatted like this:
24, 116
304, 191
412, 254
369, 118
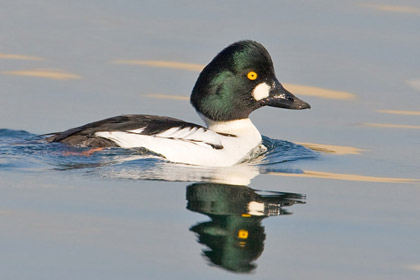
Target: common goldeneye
239, 80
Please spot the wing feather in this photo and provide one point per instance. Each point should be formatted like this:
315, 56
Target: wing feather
145, 125
194, 134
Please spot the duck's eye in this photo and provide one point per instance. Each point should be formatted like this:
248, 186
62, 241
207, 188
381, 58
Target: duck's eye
252, 75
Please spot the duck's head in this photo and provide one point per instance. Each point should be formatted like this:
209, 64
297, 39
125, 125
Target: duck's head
239, 80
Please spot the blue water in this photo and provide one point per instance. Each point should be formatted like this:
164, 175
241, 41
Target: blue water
24, 151
233, 237
124, 214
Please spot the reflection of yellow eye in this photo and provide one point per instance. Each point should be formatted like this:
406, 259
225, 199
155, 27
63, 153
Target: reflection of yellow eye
252, 75
243, 234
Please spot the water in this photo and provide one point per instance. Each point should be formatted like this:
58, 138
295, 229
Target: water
336, 196
21, 150
234, 235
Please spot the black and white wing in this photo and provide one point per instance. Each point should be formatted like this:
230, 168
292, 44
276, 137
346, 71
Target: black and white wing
121, 131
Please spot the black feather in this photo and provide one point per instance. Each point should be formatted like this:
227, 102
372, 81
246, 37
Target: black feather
84, 136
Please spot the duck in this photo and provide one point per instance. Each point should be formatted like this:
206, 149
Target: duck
238, 81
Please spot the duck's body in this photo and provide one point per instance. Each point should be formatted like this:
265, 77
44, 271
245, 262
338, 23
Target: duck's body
221, 144
239, 80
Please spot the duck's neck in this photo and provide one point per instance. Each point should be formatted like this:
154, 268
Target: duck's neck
234, 127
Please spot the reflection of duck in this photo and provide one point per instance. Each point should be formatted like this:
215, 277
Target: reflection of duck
239, 80
240, 174
234, 235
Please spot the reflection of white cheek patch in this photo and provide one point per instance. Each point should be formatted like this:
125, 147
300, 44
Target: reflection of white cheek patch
261, 91
256, 208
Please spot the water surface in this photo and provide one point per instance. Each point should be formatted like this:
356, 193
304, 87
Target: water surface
342, 206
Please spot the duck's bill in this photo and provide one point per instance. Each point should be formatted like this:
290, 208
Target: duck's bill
282, 98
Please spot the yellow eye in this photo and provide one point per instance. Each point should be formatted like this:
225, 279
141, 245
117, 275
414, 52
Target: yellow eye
252, 75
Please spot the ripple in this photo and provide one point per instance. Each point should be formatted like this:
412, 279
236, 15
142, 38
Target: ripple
19, 57
163, 64
21, 150
400, 112
44, 73
394, 8
392, 125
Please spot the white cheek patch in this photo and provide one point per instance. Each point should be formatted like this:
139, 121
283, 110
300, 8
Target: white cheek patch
256, 208
261, 91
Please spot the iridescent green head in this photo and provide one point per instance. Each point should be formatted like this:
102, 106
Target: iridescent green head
239, 80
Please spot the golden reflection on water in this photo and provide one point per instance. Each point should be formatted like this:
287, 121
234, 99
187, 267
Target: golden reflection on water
19, 57
391, 125
167, 96
296, 89
414, 83
345, 177
415, 267
319, 92
332, 149
400, 112
394, 8
44, 73
163, 64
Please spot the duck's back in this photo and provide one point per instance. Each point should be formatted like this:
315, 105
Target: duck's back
127, 131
